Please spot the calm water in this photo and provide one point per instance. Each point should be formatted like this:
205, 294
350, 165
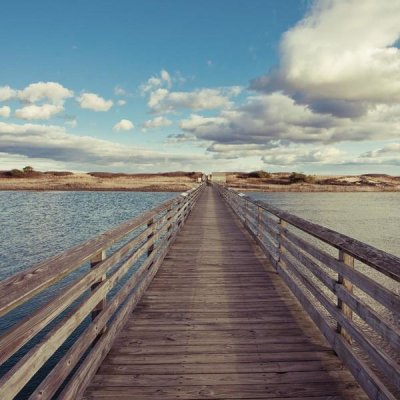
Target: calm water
373, 218
36, 225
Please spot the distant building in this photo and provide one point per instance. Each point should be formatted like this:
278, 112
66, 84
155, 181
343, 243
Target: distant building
218, 177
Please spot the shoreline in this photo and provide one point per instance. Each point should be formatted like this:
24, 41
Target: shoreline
94, 189
181, 182
319, 189
183, 188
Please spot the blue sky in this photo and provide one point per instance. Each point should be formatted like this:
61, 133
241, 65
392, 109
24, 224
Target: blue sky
212, 85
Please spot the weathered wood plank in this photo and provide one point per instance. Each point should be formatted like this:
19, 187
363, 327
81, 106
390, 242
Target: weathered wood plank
95, 279
256, 391
287, 267
24, 285
217, 316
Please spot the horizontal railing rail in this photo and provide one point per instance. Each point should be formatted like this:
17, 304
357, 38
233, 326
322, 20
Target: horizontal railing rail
357, 311
97, 301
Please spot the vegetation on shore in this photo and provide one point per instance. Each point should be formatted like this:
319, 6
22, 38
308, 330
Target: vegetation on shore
300, 182
29, 179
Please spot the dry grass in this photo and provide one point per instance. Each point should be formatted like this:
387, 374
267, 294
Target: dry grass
87, 182
279, 182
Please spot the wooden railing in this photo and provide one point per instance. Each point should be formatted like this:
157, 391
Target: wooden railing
97, 301
349, 289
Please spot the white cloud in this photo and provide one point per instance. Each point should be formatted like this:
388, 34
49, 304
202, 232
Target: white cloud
51, 91
123, 125
155, 82
72, 122
276, 118
156, 97
151, 84
33, 111
387, 155
162, 100
304, 155
5, 111
10, 161
93, 101
7, 93
52, 142
166, 77
156, 122
119, 91
353, 60
121, 102
342, 52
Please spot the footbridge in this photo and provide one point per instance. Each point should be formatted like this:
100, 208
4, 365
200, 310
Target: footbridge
210, 295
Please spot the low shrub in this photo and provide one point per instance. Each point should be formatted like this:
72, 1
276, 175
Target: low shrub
15, 173
27, 169
298, 177
59, 173
259, 174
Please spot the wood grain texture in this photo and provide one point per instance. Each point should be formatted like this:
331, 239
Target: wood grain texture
22, 286
294, 262
217, 322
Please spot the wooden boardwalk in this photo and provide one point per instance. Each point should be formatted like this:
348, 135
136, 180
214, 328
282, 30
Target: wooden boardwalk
217, 322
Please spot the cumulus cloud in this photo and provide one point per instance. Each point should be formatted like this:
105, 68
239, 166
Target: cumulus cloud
49, 91
33, 111
121, 102
10, 161
166, 77
285, 156
265, 119
342, 54
7, 93
93, 101
155, 82
52, 142
156, 122
123, 125
5, 111
119, 91
386, 155
161, 100
180, 138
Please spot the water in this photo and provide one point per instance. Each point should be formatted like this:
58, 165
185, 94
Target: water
373, 218
37, 225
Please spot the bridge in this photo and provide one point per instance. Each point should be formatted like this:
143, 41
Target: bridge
210, 295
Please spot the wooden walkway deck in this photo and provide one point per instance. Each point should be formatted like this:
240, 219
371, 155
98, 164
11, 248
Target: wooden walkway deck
218, 323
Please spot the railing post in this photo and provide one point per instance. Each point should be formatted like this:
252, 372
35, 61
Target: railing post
282, 225
348, 260
94, 261
169, 234
150, 223
244, 208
